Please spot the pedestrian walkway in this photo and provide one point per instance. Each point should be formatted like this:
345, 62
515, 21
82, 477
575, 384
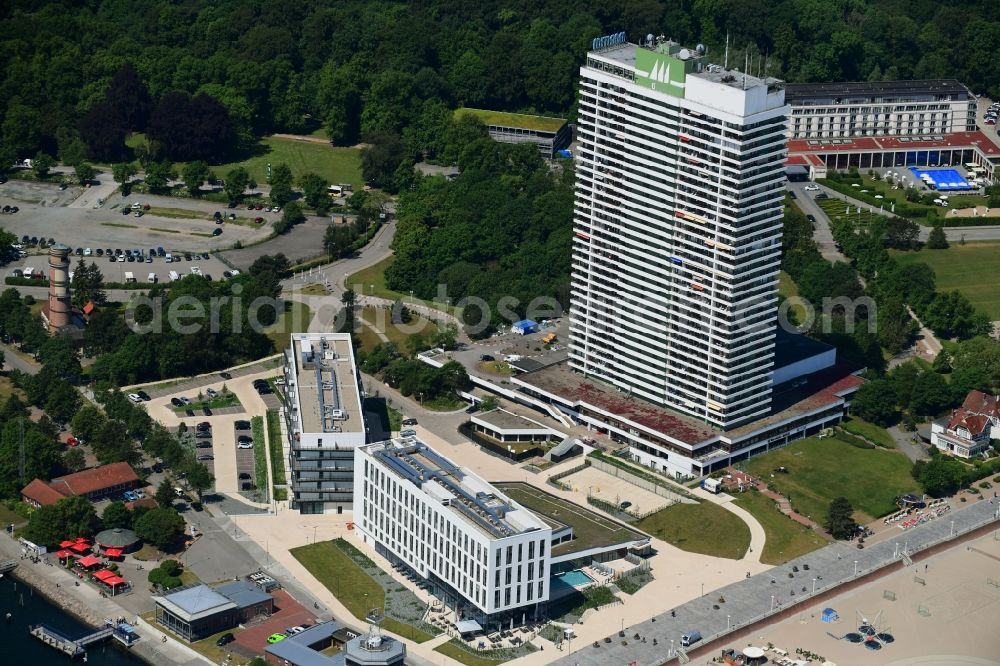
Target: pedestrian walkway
761, 596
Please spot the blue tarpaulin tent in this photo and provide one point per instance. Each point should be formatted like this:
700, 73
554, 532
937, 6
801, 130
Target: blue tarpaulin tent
830, 615
524, 327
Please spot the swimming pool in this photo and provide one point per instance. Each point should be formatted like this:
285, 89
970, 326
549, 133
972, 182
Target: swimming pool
575, 578
944, 179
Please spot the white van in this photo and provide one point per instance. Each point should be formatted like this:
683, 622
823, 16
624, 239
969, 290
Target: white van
168, 258
129, 277
151, 277
174, 276
690, 638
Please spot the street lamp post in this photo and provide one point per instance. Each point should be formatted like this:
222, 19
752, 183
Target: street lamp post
728, 625
855, 567
814, 586
772, 603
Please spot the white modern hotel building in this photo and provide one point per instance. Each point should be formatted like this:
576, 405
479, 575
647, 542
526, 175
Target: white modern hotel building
480, 551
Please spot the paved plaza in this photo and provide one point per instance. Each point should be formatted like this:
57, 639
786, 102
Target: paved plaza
603, 486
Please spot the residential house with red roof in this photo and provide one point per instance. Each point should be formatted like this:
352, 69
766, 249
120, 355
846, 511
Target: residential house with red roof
967, 431
94, 483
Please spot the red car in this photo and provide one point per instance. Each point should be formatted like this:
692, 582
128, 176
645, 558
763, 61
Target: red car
258, 220
260, 206
72, 441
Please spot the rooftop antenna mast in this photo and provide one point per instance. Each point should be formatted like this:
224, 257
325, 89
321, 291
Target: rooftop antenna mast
726, 63
746, 64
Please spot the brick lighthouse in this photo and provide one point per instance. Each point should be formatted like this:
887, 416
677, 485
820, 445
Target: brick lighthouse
58, 315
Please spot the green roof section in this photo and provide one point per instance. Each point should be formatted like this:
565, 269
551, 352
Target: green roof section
505, 119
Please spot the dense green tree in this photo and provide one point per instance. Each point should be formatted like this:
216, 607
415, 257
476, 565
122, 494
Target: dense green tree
290, 216
158, 176
337, 239
58, 353
88, 285
116, 515
70, 517
876, 401
930, 394
85, 173
164, 495
161, 527
380, 159
74, 460
840, 519
199, 478
314, 192
237, 181
937, 240
194, 175
940, 476
281, 184
42, 164
191, 128
123, 172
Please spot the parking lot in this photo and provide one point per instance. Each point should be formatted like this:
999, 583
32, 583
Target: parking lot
231, 466
212, 267
47, 211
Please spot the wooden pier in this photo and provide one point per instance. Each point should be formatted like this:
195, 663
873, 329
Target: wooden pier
7, 566
72, 648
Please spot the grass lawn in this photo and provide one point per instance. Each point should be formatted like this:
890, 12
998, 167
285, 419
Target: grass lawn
8, 516
295, 318
8, 389
704, 528
821, 470
786, 539
277, 457
504, 118
335, 165
458, 653
259, 458
395, 419
835, 208
398, 334
342, 576
226, 399
874, 433
788, 289
973, 269
313, 290
889, 195
371, 282
590, 529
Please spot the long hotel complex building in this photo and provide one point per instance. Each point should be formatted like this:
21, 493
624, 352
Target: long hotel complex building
480, 550
323, 420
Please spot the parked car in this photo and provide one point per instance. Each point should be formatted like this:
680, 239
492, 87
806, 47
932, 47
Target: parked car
409, 421
204, 425
134, 397
225, 639
189, 412
242, 425
225, 375
247, 485
217, 231
145, 396
176, 402
245, 439
206, 456
206, 411
186, 400
211, 392
275, 638
203, 445
811, 188
244, 476
203, 434
408, 433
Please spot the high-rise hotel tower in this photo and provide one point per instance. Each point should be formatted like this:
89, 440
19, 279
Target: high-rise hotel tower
680, 185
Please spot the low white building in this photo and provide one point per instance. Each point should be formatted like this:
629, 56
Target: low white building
481, 552
967, 431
